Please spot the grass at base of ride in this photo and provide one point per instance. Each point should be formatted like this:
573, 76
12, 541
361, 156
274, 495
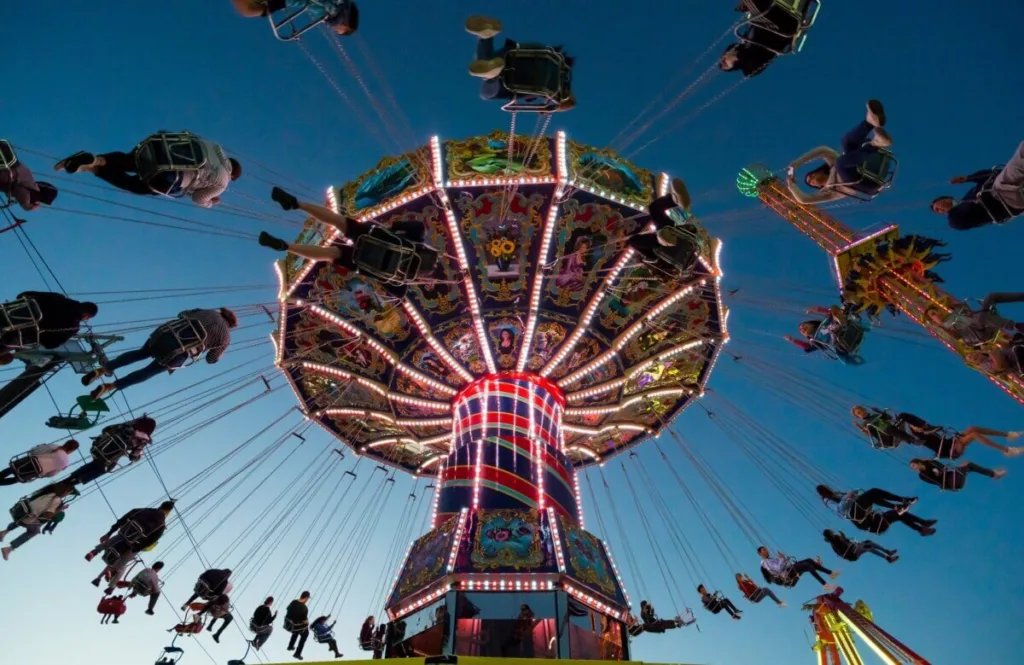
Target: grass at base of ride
474, 660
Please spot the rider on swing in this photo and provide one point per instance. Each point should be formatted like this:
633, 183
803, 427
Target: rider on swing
654, 246
35, 511
786, 572
342, 255
341, 15
114, 442
18, 183
716, 602
976, 328
841, 170
59, 319
760, 45
834, 333
137, 530
858, 507
43, 461
490, 63
996, 197
948, 477
173, 344
651, 622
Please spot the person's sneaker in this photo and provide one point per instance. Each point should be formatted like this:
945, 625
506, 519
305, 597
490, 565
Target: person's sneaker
272, 242
930, 522
150, 612
881, 139
680, 194
927, 531
91, 376
486, 69
907, 505
736, 617
75, 162
782, 603
3, 534
6, 552
892, 558
569, 103
296, 656
876, 113
96, 583
216, 638
1014, 451
483, 27
109, 590
88, 557
829, 587
284, 199
102, 390
996, 475
1013, 436
834, 574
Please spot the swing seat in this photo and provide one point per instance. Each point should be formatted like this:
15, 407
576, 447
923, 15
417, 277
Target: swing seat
540, 79
259, 630
790, 19
83, 420
190, 336
321, 639
876, 175
391, 258
682, 255
986, 195
164, 160
301, 16
295, 627
19, 323
8, 158
25, 468
841, 342
109, 448
171, 655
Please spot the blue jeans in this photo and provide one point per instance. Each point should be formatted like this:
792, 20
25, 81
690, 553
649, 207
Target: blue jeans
162, 346
492, 88
856, 150
31, 531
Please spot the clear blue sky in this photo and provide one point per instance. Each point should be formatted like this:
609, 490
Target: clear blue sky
103, 75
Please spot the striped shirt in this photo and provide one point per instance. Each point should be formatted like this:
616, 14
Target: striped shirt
210, 181
218, 333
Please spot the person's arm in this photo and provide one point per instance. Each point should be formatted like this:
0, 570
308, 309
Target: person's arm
978, 177
215, 350
821, 152
209, 195
808, 347
823, 195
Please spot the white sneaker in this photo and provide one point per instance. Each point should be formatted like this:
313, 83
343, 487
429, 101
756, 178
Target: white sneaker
486, 69
834, 574
996, 474
881, 139
1013, 452
483, 27
829, 587
876, 113
782, 604
680, 195
1013, 436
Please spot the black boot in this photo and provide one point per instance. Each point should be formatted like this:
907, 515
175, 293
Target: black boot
76, 161
273, 242
286, 200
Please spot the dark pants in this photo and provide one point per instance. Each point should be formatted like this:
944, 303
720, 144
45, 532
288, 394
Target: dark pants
31, 531
227, 619
492, 88
261, 638
761, 593
160, 347
812, 568
7, 477
659, 626
953, 479
89, 472
867, 547
719, 604
120, 171
855, 150
646, 243
301, 639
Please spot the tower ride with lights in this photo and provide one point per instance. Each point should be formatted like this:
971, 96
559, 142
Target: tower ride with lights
836, 624
540, 344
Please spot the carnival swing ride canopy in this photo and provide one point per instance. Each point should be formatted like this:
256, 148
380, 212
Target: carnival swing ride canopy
534, 280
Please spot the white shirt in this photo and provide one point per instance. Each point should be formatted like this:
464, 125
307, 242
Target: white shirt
51, 459
148, 579
47, 503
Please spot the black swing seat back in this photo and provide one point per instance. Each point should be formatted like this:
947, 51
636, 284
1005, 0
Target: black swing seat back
392, 258
292, 23
164, 161
109, 447
295, 626
190, 335
539, 78
999, 211
26, 468
683, 255
876, 175
258, 629
19, 322
789, 19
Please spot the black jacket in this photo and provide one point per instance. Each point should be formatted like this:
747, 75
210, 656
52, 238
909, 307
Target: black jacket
297, 614
61, 320
151, 521
262, 616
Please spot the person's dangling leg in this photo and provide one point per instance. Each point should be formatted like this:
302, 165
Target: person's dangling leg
7, 477
303, 636
880, 497
228, 618
487, 62
309, 252
118, 169
153, 598
971, 467
730, 608
333, 646
129, 358
645, 244
139, 376
981, 435
871, 547
292, 640
911, 520
993, 299
812, 568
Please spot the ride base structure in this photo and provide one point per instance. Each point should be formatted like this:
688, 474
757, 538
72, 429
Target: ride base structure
836, 624
870, 271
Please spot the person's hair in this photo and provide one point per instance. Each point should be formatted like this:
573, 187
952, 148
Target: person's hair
304, 594
236, 168
369, 619
810, 322
90, 309
221, 599
144, 424
829, 535
827, 493
642, 603
731, 48
227, 571
70, 446
158, 565
167, 506
918, 460
701, 588
229, 316
352, 20
762, 547
824, 170
320, 619
941, 198
269, 600
47, 193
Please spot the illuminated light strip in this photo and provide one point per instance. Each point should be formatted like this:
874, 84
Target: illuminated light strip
437, 493
390, 441
460, 250
629, 427
501, 180
579, 500
608, 551
588, 314
327, 369
423, 422
666, 392
557, 540
538, 279
593, 602
663, 181
594, 390
402, 200
438, 348
583, 449
402, 398
457, 540
387, 354
504, 584
579, 184
538, 456
664, 355
429, 598
478, 473
882, 654
434, 440
630, 332
366, 413
430, 462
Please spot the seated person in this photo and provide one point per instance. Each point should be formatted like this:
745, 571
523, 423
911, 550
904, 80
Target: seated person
341, 15
43, 461
146, 584
947, 444
648, 243
490, 63
979, 327
323, 633
211, 584
60, 320
886, 431
204, 185
262, 623
33, 512
948, 477
995, 198
18, 184
218, 608
652, 624
754, 593
784, 571
715, 603
859, 508
136, 531
841, 169
1001, 360
760, 45
852, 550
343, 255
833, 333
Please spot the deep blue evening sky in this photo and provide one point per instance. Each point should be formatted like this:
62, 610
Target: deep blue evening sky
103, 75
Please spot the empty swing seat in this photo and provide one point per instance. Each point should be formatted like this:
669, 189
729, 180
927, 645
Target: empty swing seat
301, 16
165, 160
540, 79
391, 258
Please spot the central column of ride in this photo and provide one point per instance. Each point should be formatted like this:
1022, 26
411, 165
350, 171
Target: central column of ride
508, 450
